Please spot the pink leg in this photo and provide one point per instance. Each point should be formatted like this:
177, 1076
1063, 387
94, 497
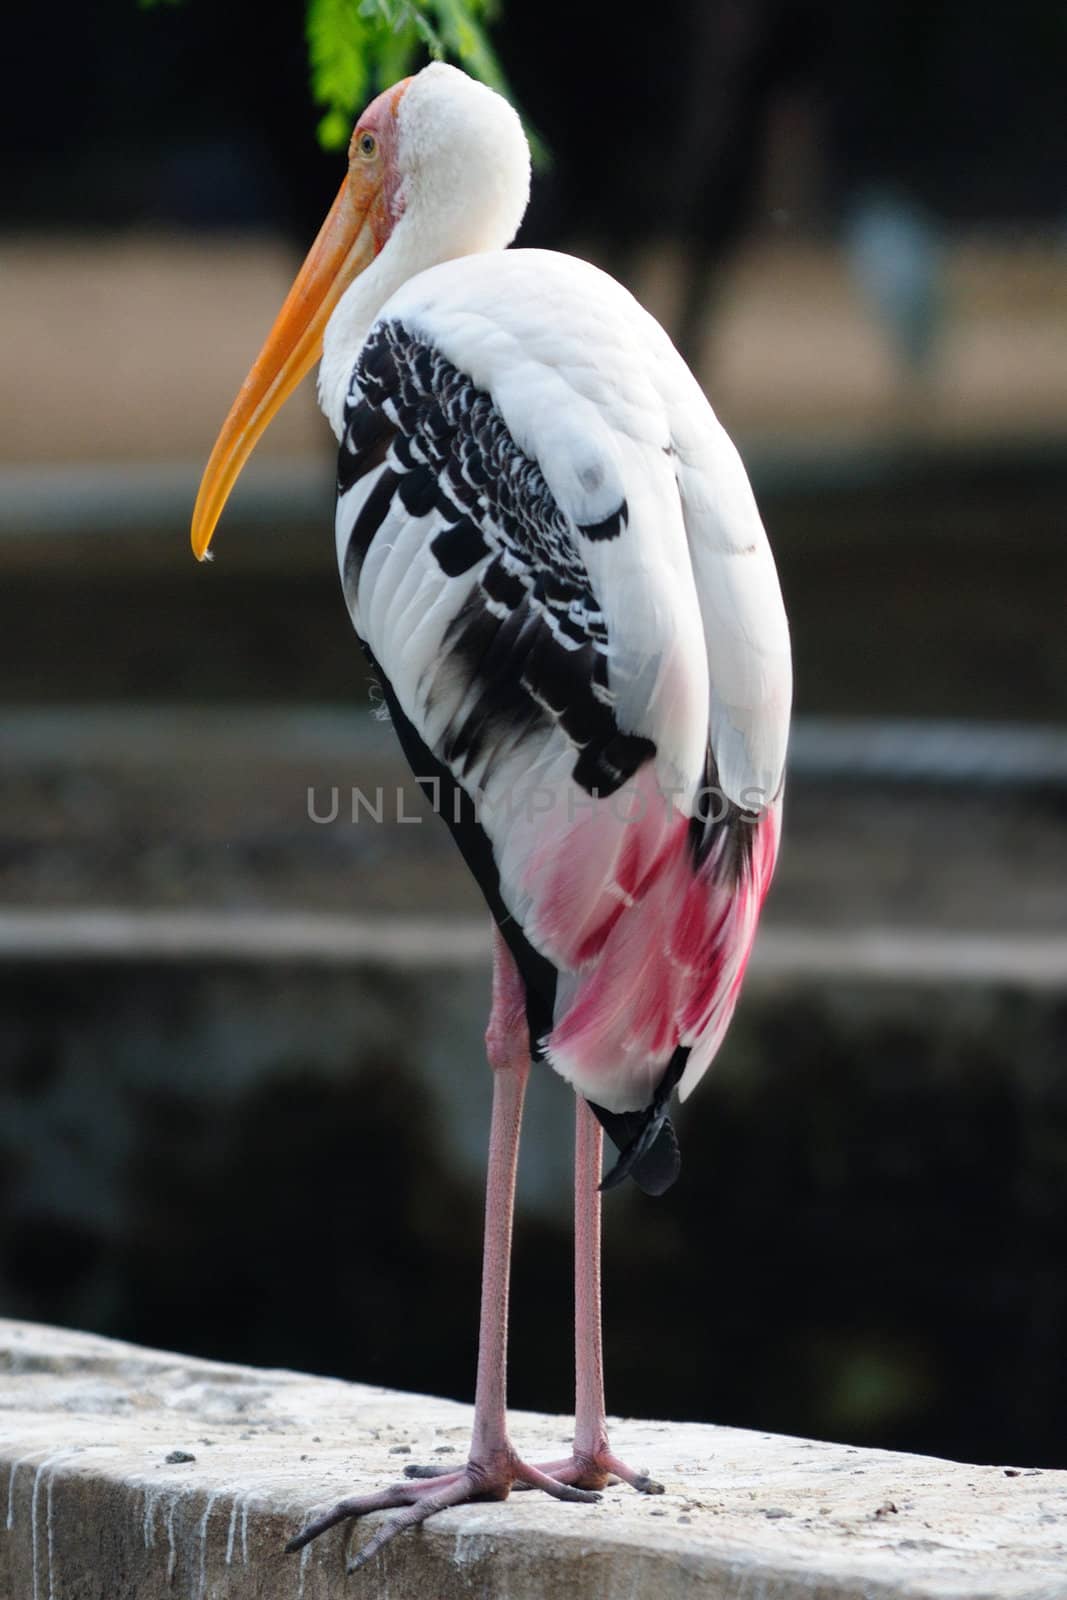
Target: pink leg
493, 1465
592, 1462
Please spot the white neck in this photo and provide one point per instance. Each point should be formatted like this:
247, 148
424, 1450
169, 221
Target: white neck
357, 309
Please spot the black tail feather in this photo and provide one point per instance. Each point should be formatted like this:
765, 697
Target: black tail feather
646, 1140
649, 1154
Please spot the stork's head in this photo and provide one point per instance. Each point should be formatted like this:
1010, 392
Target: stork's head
438, 167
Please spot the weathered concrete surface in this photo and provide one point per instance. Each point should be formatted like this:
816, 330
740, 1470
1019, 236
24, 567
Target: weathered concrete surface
310, 807
94, 1508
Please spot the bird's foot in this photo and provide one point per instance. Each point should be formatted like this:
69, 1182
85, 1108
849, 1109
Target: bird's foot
582, 1470
595, 1469
415, 1501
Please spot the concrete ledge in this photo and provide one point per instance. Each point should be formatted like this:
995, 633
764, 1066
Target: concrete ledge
135, 1473
416, 943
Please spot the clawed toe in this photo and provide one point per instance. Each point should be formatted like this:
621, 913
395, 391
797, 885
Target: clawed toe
427, 1491
558, 1488
637, 1480
413, 1503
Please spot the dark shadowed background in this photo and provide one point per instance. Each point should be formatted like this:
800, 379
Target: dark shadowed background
242, 1100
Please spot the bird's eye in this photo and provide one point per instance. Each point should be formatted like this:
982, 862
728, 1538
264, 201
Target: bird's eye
367, 145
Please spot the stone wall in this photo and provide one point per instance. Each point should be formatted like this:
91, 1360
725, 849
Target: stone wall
132, 1474
252, 1160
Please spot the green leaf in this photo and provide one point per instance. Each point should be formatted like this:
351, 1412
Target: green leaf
334, 130
336, 41
356, 47
398, 52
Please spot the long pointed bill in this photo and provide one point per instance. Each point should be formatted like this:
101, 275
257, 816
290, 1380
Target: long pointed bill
347, 243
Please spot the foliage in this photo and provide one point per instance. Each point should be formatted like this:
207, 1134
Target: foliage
358, 46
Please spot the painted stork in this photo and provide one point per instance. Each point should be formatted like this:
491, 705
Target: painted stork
552, 557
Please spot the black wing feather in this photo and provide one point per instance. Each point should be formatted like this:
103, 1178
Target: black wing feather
529, 644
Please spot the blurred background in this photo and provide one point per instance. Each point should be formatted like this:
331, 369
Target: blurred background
242, 1093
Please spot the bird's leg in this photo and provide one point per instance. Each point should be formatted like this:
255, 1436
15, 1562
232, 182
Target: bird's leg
493, 1466
592, 1463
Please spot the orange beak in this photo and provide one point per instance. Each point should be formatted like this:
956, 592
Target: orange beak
348, 241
